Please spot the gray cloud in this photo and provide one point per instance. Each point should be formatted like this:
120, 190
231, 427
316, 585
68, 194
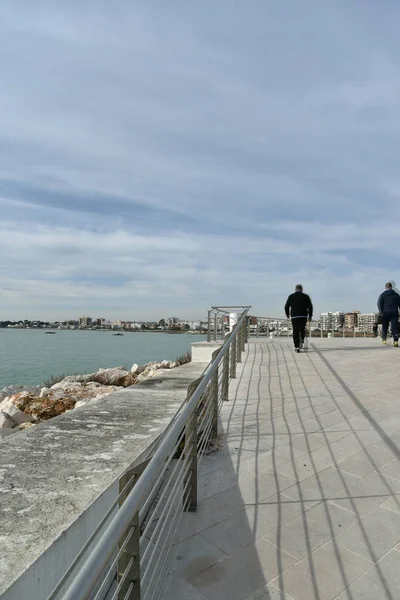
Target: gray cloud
179, 154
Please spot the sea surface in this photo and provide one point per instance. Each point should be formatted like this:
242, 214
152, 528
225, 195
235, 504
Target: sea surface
29, 356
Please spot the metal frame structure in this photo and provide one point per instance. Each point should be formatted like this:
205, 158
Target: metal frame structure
128, 557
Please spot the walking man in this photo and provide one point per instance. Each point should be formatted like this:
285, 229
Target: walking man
388, 306
299, 309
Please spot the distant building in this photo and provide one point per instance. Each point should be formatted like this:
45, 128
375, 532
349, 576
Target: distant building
332, 321
351, 319
85, 321
366, 322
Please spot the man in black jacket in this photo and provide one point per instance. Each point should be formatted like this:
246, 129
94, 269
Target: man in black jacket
299, 309
388, 306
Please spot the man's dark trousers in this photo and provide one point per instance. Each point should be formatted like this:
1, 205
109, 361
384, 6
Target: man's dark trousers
394, 326
299, 330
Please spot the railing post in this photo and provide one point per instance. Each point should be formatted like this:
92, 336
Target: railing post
232, 352
209, 326
191, 433
216, 327
130, 557
243, 336
225, 377
213, 392
237, 342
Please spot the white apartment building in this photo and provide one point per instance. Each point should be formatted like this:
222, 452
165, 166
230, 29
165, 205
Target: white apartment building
366, 322
332, 321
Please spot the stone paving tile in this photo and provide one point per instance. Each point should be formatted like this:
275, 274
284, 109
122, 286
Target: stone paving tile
367, 493
392, 469
176, 588
269, 592
381, 582
393, 504
373, 536
195, 555
323, 486
244, 528
324, 574
243, 573
211, 511
364, 462
314, 528
221, 480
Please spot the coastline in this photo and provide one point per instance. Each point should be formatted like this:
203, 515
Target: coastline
23, 407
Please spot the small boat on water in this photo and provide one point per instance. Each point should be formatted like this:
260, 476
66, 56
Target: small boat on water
50, 332
118, 334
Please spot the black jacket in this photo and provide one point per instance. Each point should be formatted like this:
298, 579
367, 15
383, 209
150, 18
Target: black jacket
299, 305
389, 303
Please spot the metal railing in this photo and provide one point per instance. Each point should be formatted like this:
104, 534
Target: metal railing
221, 320
278, 327
128, 557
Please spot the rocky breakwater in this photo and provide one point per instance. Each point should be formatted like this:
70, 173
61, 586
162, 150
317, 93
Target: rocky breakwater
22, 407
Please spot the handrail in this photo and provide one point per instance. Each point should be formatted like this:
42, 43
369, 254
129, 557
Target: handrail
88, 574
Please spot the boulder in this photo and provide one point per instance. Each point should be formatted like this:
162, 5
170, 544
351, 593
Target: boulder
56, 394
67, 385
148, 372
14, 405
91, 385
115, 376
78, 378
6, 422
44, 392
134, 368
25, 426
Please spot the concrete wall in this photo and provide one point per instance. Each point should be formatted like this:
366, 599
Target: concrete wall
40, 579
58, 479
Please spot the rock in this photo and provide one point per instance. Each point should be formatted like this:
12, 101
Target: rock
166, 364
57, 394
83, 402
25, 426
134, 368
115, 376
6, 422
79, 378
67, 385
44, 392
148, 372
14, 405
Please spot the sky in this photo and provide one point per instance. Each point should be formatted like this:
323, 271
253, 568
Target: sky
157, 158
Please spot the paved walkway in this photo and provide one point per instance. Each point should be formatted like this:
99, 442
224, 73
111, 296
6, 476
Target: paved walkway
302, 502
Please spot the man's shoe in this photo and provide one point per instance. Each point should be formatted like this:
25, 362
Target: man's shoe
396, 344
297, 350
383, 342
